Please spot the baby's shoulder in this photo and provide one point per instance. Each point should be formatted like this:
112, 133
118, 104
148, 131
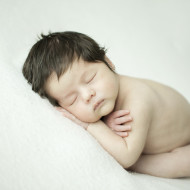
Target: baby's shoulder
136, 89
135, 94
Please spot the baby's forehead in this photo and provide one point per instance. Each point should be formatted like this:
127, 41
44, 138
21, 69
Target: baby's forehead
79, 66
75, 70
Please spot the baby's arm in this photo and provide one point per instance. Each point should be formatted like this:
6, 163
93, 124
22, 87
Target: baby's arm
114, 121
110, 141
125, 150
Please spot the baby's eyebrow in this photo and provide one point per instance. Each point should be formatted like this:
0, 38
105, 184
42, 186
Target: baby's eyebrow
83, 75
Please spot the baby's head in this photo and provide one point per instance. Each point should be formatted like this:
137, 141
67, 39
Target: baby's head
72, 71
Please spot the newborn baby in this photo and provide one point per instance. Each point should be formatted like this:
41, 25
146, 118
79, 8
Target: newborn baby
74, 73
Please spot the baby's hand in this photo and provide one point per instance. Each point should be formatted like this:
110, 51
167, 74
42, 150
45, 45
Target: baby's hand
115, 120
70, 116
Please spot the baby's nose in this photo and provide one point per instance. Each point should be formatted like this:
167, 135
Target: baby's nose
88, 94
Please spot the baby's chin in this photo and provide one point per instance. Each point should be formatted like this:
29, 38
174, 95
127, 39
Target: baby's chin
94, 118
91, 119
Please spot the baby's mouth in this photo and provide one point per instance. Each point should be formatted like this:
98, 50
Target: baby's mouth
98, 104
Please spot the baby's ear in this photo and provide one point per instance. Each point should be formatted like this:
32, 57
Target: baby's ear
109, 62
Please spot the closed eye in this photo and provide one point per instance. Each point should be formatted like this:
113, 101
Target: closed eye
73, 101
91, 78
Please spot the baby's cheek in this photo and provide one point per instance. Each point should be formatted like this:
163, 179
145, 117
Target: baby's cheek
113, 85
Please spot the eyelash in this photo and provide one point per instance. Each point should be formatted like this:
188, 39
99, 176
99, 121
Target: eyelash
73, 101
87, 82
91, 78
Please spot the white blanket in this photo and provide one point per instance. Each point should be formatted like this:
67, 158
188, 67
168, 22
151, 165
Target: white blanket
41, 150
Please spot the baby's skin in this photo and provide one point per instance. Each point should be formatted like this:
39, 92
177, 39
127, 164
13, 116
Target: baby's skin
160, 134
114, 121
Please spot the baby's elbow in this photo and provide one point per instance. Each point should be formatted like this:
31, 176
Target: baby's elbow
129, 161
127, 164
128, 157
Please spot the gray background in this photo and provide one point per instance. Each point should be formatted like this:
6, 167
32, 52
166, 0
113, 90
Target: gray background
41, 150
145, 38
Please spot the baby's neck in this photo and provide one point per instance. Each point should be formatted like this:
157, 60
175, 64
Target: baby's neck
122, 94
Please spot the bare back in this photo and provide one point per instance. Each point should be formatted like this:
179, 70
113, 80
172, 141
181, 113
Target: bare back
170, 126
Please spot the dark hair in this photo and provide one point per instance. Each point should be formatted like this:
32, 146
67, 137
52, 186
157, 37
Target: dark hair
56, 52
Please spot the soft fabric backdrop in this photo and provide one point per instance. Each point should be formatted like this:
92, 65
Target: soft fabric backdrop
41, 150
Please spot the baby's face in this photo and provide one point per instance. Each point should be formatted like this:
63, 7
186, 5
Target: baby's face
87, 90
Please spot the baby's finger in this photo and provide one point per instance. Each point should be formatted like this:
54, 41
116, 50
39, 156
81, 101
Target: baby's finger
60, 109
122, 134
123, 128
120, 113
65, 113
122, 120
